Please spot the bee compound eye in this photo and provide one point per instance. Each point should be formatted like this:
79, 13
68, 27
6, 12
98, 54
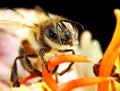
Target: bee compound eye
50, 33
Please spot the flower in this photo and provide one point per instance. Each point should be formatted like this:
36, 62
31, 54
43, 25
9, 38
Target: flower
84, 75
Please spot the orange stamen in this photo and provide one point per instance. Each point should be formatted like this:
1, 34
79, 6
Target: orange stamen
67, 58
28, 78
81, 82
48, 79
52, 63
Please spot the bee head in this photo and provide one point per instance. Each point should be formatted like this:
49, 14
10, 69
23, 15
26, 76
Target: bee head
64, 32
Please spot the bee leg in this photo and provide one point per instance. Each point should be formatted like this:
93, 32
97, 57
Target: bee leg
67, 69
14, 75
70, 65
29, 65
42, 53
67, 50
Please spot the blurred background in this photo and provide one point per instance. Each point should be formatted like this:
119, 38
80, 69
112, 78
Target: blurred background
96, 16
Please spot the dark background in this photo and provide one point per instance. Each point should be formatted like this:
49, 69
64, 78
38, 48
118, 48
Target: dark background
97, 15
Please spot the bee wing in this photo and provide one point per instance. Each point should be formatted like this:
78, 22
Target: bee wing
24, 16
33, 15
11, 15
14, 28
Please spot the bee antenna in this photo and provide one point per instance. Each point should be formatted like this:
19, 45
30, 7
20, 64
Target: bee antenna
75, 23
58, 34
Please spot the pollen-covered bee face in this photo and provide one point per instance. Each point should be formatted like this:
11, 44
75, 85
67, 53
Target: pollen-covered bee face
63, 33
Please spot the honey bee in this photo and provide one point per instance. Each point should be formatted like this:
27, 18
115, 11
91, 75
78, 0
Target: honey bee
42, 35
